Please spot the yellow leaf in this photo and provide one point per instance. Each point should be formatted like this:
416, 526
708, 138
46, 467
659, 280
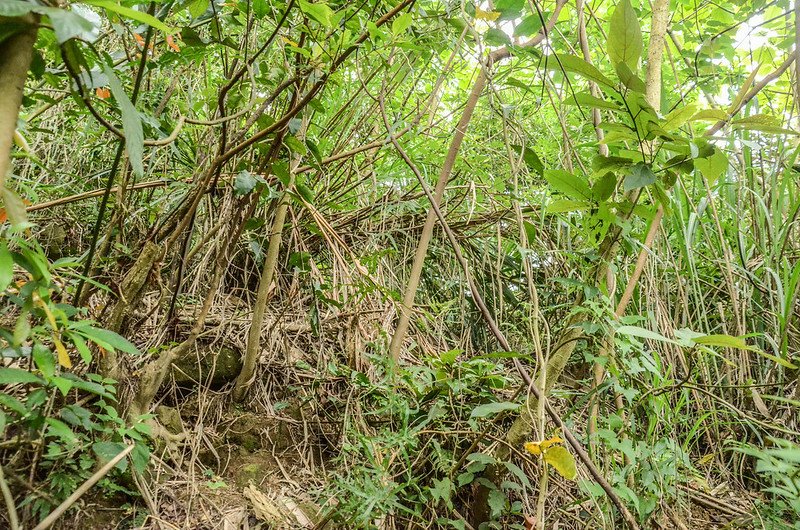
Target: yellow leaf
50, 317
562, 461
533, 447
536, 448
289, 41
551, 442
63, 356
489, 16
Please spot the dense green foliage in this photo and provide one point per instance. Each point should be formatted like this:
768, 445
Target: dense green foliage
615, 230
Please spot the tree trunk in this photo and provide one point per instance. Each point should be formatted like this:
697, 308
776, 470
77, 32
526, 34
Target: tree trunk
16, 53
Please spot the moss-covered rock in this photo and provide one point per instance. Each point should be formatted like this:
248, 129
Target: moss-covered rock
216, 366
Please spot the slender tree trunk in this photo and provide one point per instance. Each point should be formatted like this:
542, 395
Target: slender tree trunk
427, 230
447, 169
655, 52
16, 53
796, 50
253, 347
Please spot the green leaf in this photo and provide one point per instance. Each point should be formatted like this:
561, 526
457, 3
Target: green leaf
295, 145
106, 451
63, 384
640, 176
762, 123
66, 24
106, 338
131, 123
517, 472
738, 343
6, 267
562, 460
132, 14
624, 43
449, 357
441, 490
586, 99
509, 9
605, 186
574, 64
318, 11
568, 184
712, 167
481, 458
88, 386
531, 159
80, 345
601, 164
710, 115
642, 333
44, 360
140, 456
198, 7
12, 376
496, 37
244, 183
490, 409
305, 192
530, 25
15, 8
678, 117
60, 430
402, 23
724, 341
629, 78
567, 205
496, 502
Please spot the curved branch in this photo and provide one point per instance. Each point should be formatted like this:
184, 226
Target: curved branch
758, 87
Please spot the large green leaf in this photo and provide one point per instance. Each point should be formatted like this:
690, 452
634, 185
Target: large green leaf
131, 123
568, 184
106, 338
570, 63
640, 176
132, 14
11, 376
15, 8
6, 267
712, 167
586, 99
604, 186
624, 44
489, 409
567, 205
530, 157
529, 26
678, 117
509, 9
402, 23
496, 37
318, 11
738, 343
642, 333
628, 77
